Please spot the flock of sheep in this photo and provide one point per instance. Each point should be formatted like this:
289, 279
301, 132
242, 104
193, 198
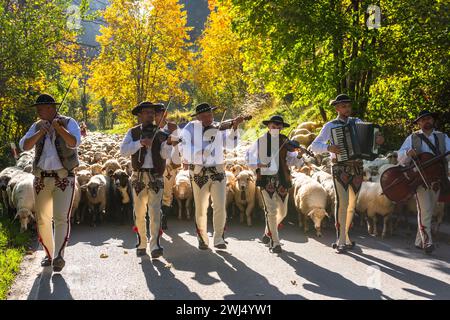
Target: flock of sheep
103, 187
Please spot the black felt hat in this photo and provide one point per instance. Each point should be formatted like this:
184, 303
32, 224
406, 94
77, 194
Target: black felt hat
45, 99
341, 98
146, 104
276, 119
425, 113
202, 107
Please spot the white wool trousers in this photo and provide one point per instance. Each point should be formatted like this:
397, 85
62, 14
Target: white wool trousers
147, 201
54, 199
217, 191
344, 211
276, 210
426, 200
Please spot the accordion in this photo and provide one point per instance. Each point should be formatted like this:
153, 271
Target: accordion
356, 141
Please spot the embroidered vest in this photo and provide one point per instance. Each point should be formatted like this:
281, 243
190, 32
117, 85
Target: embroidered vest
67, 156
283, 172
159, 164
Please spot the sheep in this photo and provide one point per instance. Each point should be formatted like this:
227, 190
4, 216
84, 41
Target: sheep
98, 156
372, 201
124, 195
410, 208
371, 168
96, 196
310, 200
236, 169
82, 178
299, 131
23, 200
310, 125
128, 168
229, 199
110, 166
5, 178
183, 193
326, 180
304, 139
244, 194
96, 169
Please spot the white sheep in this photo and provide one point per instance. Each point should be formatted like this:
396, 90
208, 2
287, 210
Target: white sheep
310, 126
373, 202
183, 193
310, 200
244, 194
326, 180
110, 166
23, 200
304, 139
298, 131
96, 169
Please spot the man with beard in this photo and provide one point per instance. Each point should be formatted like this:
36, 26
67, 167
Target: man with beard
149, 147
425, 140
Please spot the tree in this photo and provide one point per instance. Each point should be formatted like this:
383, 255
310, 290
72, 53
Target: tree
144, 54
36, 55
218, 68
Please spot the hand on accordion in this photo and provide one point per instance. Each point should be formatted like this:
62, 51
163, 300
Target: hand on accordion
334, 149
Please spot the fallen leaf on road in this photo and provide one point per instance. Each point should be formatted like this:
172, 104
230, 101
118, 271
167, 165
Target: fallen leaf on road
294, 282
125, 252
168, 266
29, 252
103, 256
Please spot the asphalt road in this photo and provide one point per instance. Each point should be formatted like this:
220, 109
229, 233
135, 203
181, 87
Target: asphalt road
307, 269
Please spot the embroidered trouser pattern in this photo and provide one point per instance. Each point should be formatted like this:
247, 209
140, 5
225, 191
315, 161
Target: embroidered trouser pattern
347, 183
147, 196
54, 199
204, 186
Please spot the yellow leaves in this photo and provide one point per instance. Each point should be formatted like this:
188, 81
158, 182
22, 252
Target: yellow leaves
144, 54
218, 65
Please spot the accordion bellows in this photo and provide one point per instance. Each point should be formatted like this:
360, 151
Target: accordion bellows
356, 141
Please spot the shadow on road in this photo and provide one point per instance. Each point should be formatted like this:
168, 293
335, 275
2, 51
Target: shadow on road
244, 282
50, 286
161, 281
439, 289
328, 283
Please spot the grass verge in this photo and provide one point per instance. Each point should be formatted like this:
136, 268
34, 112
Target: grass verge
12, 249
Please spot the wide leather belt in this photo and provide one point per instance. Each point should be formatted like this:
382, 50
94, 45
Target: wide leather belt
53, 174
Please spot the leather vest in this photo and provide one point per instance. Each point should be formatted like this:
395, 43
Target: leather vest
283, 172
67, 156
159, 164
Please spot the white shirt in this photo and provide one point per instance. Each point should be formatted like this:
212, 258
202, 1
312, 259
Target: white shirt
205, 147
403, 159
253, 157
49, 158
175, 156
130, 147
323, 140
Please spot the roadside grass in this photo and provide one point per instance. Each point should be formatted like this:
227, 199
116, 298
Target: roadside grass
12, 249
